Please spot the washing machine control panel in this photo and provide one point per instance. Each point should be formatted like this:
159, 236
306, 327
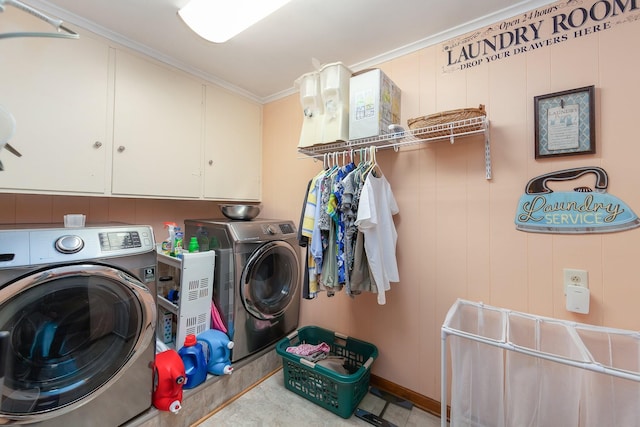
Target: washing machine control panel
69, 244
120, 240
43, 245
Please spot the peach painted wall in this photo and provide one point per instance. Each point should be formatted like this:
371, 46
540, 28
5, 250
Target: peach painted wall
457, 237
456, 233
32, 208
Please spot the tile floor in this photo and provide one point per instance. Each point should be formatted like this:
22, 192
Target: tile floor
270, 404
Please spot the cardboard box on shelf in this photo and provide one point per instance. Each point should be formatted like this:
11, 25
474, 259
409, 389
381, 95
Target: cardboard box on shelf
374, 104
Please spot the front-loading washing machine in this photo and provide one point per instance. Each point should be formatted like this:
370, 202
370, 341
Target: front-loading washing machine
257, 278
77, 323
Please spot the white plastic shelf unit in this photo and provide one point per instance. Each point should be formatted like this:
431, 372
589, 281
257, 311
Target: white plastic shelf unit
401, 138
511, 368
193, 279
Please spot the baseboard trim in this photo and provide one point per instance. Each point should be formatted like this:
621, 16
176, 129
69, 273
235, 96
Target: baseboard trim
423, 402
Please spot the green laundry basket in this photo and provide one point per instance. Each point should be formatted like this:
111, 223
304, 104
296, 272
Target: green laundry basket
335, 392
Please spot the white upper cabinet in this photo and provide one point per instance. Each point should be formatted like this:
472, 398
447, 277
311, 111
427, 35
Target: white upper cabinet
57, 91
233, 146
93, 119
157, 131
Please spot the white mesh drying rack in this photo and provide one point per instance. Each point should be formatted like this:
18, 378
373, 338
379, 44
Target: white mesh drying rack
609, 359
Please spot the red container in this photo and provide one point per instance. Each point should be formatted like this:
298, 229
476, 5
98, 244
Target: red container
169, 376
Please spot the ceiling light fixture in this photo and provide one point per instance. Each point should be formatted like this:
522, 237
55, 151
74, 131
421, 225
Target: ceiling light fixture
220, 20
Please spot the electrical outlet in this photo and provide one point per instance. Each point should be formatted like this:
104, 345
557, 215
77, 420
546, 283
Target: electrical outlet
575, 277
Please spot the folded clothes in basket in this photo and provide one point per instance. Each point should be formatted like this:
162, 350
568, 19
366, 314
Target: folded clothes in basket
309, 349
335, 363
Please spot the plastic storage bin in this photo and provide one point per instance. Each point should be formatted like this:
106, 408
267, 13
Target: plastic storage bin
329, 389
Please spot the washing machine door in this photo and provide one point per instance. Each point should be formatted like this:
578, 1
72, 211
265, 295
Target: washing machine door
270, 279
69, 332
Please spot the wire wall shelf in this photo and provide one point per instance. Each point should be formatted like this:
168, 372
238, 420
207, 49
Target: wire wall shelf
399, 138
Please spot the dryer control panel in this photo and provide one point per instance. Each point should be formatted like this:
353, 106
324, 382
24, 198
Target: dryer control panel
278, 229
263, 230
228, 233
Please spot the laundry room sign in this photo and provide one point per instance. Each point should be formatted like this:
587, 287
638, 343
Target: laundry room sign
581, 211
537, 29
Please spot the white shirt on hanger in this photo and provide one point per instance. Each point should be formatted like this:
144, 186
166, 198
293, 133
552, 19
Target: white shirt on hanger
375, 220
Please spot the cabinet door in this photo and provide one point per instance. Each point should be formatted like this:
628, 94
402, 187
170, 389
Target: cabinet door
157, 130
233, 146
57, 91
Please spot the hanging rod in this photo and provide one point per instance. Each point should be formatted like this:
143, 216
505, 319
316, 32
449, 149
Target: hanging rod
56, 23
398, 137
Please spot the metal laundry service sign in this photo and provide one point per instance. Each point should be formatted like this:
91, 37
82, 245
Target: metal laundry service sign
581, 211
537, 29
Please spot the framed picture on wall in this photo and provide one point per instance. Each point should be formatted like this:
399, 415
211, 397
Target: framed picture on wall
565, 123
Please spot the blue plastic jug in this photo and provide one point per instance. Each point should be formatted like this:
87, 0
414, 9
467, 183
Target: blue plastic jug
217, 348
195, 364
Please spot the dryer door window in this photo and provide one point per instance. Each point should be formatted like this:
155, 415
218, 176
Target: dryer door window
70, 330
270, 279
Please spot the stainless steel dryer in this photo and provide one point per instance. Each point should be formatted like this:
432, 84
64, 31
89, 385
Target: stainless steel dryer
77, 323
257, 278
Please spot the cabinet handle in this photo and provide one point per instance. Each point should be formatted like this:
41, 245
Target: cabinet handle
97, 144
121, 149
210, 162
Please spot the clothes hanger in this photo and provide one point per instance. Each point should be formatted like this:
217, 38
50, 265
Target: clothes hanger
56, 23
347, 161
339, 166
374, 164
363, 163
352, 161
330, 164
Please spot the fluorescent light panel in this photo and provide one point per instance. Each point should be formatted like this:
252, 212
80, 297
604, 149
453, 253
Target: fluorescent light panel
220, 20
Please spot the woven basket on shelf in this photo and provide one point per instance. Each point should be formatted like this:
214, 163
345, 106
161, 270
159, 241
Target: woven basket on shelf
438, 123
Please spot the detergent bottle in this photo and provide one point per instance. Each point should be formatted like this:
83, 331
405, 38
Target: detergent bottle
168, 380
193, 245
167, 244
178, 243
195, 364
203, 239
217, 346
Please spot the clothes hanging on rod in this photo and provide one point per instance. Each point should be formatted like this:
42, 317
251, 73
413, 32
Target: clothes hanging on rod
375, 219
336, 232
303, 241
